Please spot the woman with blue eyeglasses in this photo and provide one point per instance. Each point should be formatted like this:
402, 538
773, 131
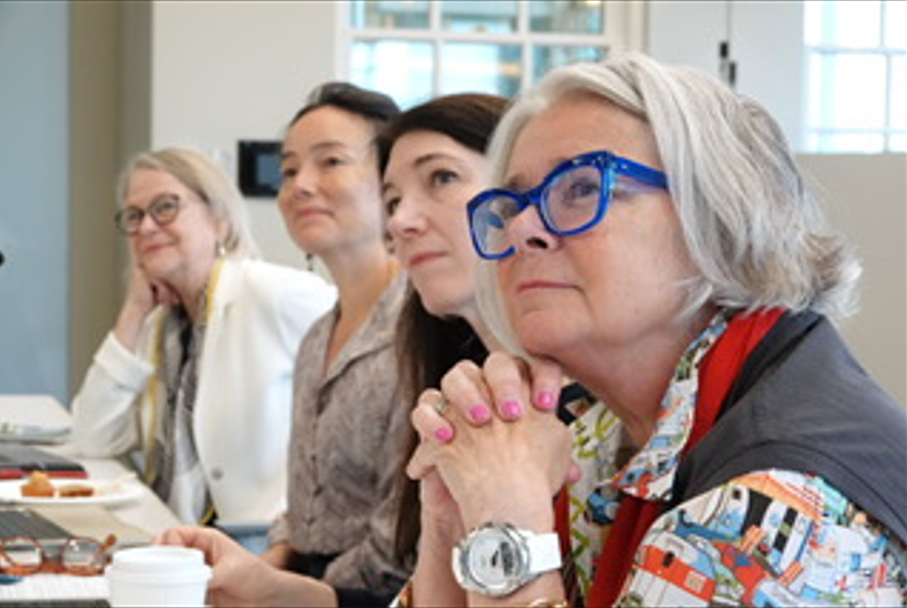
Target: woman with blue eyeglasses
652, 238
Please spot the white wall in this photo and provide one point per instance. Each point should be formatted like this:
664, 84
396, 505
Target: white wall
765, 43
226, 71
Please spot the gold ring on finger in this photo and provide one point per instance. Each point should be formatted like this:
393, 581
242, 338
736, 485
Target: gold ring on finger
441, 406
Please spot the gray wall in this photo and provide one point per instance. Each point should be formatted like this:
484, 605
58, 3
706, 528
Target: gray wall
866, 196
94, 158
34, 196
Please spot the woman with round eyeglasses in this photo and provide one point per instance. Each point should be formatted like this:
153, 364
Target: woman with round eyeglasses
196, 374
653, 238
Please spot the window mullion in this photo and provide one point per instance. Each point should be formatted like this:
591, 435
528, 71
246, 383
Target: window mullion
889, 78
435, 27
427, 33
525, 45
889, 87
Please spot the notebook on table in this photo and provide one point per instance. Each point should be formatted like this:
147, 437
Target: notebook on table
19, 460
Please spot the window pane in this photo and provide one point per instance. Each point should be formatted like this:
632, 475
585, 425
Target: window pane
899, 93
483, 17
377, 65
389, 14
896, 24
573, 17
897, 143
849, 142
483, 68
547, 57
847, 91
850, 23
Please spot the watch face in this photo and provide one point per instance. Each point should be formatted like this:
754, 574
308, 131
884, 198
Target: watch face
494, 560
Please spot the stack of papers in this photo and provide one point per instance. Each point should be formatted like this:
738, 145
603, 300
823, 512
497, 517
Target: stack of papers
55, 587
32, 433
18, 460
33, 419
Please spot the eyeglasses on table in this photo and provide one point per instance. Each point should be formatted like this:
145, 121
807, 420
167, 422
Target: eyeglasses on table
24, 555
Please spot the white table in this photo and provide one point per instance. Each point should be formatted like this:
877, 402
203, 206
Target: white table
147, 513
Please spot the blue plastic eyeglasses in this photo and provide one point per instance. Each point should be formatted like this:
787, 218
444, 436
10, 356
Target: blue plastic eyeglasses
571, 199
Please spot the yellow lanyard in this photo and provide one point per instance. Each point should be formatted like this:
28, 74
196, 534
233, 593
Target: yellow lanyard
157, 362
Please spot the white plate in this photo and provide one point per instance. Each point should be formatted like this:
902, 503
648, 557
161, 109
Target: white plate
108, 492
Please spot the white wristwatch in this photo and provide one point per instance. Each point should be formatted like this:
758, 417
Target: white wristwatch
496, 559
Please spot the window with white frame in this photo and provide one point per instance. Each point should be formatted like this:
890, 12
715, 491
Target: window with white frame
414, 50
857, 66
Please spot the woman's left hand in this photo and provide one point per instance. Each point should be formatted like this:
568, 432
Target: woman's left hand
239, 578
495, 442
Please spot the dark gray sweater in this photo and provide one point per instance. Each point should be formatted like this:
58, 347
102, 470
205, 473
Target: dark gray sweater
813, 409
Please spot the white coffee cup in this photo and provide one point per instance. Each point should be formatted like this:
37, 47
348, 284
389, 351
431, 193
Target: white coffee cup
158, 576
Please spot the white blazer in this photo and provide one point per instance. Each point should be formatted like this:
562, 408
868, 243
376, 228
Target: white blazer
243, 407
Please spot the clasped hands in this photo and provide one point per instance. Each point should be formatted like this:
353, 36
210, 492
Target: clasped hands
491, 445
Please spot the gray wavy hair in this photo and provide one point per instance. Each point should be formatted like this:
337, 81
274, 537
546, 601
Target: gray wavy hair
755, 232
209, 182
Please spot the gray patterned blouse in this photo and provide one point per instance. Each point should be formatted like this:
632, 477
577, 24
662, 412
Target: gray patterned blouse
348, 441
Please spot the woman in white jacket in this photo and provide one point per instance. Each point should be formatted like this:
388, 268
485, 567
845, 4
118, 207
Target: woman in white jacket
197, 371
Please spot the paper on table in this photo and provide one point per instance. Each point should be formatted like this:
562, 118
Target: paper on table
55, 587
33, 418
32, 433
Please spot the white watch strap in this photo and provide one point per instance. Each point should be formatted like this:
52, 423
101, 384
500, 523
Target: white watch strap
544, 551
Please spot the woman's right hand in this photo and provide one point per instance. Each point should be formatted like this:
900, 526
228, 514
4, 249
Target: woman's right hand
142, 296
483, 457
496, 456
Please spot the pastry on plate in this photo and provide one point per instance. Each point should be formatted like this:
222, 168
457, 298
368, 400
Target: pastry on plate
38, 486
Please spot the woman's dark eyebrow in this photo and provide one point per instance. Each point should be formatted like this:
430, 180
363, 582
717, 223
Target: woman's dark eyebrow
422, 160
327, 145
513, 183
319, 147
385, 186
427, 158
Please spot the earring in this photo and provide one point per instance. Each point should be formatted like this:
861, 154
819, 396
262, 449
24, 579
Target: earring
310, 262
221, 250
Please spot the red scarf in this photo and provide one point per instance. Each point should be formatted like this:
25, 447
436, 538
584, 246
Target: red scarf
719, 368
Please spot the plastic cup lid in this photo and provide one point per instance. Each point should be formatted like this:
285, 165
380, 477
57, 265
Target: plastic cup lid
158, 560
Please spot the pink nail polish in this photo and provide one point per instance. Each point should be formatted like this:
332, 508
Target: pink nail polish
512, 409
545, 401
480, 413
444, 434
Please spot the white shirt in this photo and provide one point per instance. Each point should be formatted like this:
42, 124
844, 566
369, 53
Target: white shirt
259, 315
